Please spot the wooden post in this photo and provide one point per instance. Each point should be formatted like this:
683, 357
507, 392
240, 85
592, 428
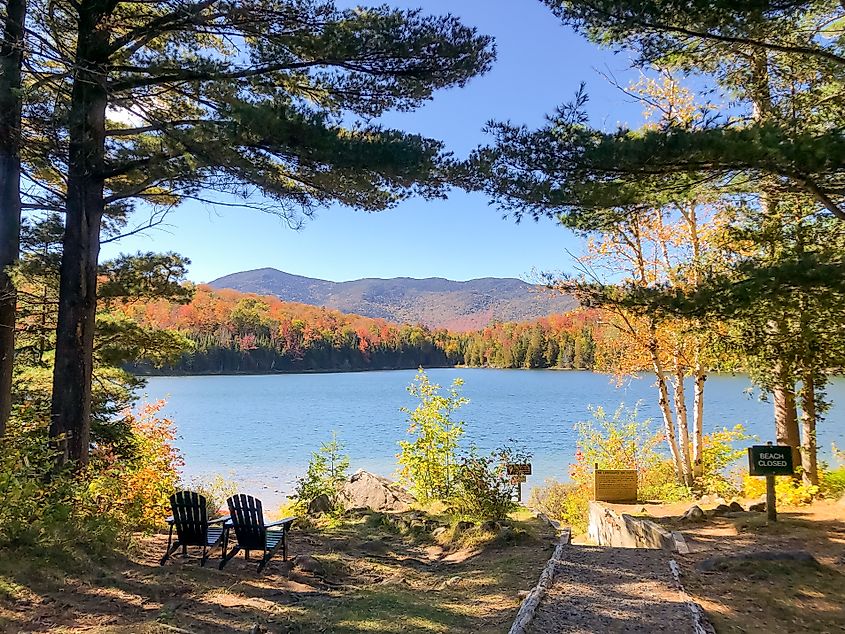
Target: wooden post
519, 492
771, 499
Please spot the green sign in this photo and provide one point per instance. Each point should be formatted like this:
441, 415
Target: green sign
770, 460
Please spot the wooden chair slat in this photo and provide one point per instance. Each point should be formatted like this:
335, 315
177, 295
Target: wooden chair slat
190, 520
247, 519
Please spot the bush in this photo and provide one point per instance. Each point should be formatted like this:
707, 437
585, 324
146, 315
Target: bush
620, 441
788, 490
216, 491
482, 488
116, 494
718, 454
325, 475
832, 483
565, 502
135, 488
428, 461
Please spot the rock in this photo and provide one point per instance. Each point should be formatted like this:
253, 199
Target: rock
365, 489
717, 563
694, 514
710, 498
437, 532
453, 581
760, 507
736, 507
359, 511
491, 526
462, 525
306, 563
320, 504
722, 509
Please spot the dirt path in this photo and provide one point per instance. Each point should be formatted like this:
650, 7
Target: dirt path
600, 589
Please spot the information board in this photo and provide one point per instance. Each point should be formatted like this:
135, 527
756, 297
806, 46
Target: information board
616, 485
770, 460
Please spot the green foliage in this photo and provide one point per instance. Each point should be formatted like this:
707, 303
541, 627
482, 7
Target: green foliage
482, 487
123, 489
216, 490
428, 462
566, 502
788, 490
832, 482
624, 441
325, 475
618, 441
719, 452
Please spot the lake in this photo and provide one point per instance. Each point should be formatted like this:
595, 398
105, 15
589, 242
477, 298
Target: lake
260, 430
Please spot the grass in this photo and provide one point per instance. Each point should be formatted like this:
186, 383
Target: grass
373, 579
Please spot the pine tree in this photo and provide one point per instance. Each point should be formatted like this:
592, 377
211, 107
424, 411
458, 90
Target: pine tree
248, 97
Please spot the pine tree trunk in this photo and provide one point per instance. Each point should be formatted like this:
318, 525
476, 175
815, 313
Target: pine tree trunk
71, 404
808, 424
786, 419
11, 56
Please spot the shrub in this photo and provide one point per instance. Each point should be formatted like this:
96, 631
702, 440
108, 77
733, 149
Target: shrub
718, 454
788, 490
482, 488
566, 502
216, 490
620, 441
135, 488
428, 461
832, 483
117, 493
325, 475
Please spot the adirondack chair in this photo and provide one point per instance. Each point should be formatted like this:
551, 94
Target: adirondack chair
246, 517
193, 528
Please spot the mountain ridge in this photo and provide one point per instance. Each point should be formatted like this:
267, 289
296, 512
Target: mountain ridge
434, 301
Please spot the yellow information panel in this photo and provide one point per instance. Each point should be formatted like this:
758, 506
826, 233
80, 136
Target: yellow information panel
616, 485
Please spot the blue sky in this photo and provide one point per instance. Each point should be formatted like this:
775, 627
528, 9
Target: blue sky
540, 65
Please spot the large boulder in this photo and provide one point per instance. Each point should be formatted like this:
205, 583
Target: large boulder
320, 504
694, 514
366, 489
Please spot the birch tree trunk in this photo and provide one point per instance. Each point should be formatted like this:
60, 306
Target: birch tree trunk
699, 376
683, 419
665, 407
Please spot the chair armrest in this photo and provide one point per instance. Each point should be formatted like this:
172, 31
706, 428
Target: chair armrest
217, 520
170, 520
287, 520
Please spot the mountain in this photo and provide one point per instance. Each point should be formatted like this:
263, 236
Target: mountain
434, 301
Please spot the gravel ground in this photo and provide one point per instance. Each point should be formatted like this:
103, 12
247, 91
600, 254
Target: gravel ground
600, 589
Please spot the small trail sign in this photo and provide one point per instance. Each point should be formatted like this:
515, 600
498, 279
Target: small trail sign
770, 461
523, 469
518, 473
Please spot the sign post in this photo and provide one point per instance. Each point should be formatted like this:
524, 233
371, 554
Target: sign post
518, 474
770, 460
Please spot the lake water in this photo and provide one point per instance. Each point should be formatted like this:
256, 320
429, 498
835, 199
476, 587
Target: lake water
260, 430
